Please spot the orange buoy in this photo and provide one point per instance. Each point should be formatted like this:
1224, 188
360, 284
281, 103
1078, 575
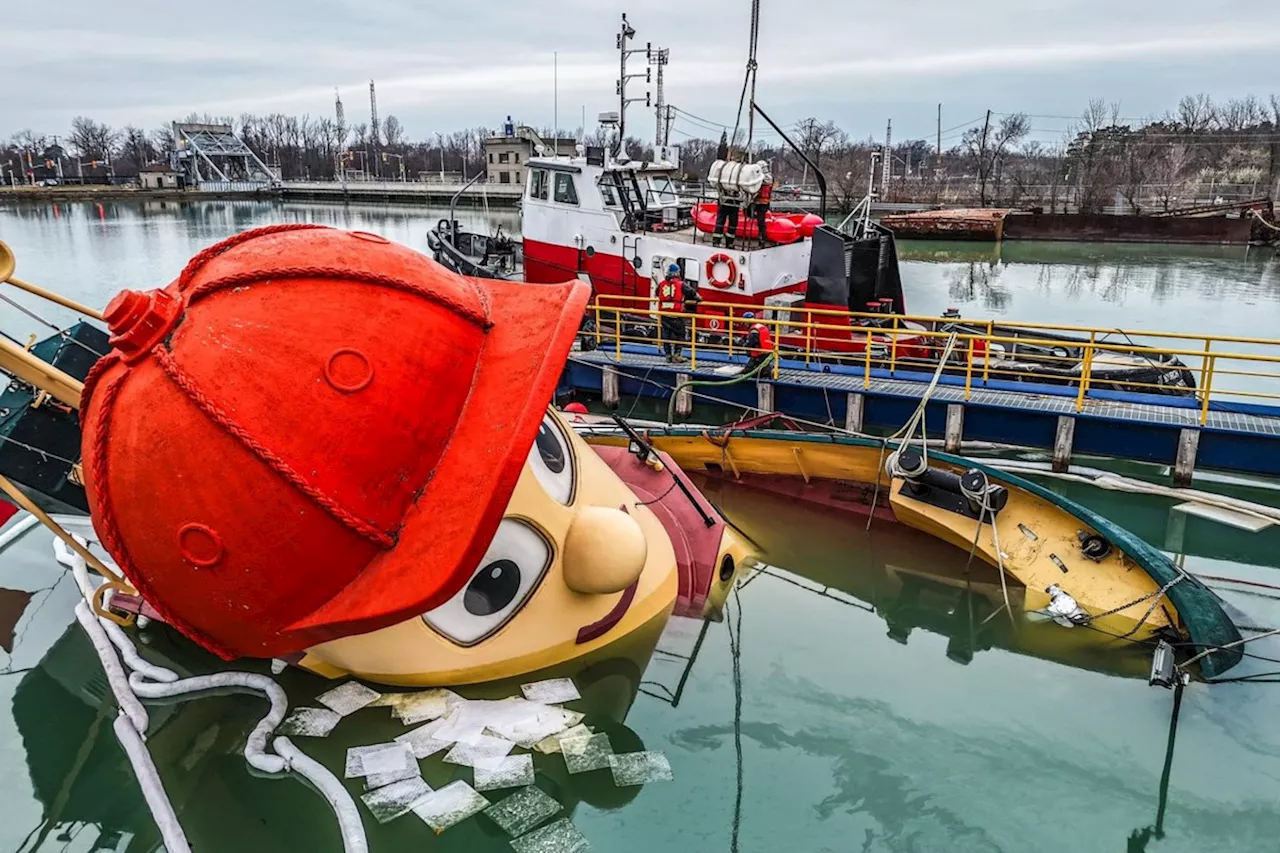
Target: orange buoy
313, 433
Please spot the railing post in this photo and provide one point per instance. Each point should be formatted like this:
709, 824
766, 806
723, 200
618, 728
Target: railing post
1207, 390
777, 342
808, 335
1086, 371
968, 372
617, 334
986, 364
660, 317
728, 327
866, 369
1204, 363
693, 342
597, 309
893, 348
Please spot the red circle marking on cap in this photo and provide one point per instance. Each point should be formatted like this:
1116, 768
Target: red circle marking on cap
200, 545
372, 238
348, 370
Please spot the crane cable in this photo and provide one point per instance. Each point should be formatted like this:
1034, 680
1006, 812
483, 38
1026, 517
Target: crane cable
749, 81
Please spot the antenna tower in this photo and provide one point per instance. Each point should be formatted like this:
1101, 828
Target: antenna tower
660, 58
624, 35
373, 127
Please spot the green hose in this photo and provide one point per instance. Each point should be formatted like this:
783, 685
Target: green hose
671, 404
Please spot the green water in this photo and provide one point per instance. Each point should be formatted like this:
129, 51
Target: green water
867, 708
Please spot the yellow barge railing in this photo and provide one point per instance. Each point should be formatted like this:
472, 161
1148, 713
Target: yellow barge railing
1236, 369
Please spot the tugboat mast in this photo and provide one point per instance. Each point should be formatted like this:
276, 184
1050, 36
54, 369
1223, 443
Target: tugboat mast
624, 35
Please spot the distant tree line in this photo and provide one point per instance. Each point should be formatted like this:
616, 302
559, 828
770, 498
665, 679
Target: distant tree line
1201, 148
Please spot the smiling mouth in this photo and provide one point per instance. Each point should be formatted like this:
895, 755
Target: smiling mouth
598, 629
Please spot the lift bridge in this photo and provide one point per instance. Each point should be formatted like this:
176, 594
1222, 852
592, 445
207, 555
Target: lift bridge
212, 158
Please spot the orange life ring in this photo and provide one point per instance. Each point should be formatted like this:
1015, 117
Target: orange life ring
721, 258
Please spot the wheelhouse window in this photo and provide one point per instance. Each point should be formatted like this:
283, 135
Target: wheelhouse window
538, 184
565, 192
608, 194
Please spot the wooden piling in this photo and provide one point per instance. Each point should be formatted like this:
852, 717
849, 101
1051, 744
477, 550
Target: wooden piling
855, 410
609, 386
764, 396
955, 427
1184, 464
1063, 442
684, 396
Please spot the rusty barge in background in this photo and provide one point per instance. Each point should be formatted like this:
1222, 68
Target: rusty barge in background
1230, 223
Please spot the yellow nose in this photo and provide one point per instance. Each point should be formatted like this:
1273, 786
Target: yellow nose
604, 552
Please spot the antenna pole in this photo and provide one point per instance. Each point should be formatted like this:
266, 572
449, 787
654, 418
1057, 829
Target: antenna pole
555, 108
373, 128
659, 58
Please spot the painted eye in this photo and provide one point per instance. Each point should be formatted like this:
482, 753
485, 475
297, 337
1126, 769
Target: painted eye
552, 460
517, 559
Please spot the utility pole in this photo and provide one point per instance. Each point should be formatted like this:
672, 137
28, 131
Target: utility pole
341, 116
983, 171
555, 103
660, 58
624, 35
888, 159
373, 128
937, 163
666, 124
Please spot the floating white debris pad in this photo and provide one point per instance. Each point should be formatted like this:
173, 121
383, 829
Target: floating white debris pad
559, 837
378, 758
457, 729
582, 754
381, 780
420, 706
550, 691
522, 811
551, 745
1222, 515
348, 698
639, 768
449, 806
309, 722
512, 771
390, 802
485, 751
423, 740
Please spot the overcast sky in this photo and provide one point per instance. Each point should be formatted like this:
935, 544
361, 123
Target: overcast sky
442, 66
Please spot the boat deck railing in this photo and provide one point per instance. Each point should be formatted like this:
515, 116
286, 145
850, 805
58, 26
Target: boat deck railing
1230, 372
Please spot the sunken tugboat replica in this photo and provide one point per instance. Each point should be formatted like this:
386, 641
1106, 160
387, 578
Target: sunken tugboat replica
319, 447
833, 291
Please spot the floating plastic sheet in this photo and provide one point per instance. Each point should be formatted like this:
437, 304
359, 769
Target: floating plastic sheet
381, 780
559, 837
457, 729
547, 723
424, 741
551, 745
551, 691
582, 754
419, 706
450, 805
484, 752
378, 758
639, 768
348, 698
309, 722
523, 810
394, 800
512, 771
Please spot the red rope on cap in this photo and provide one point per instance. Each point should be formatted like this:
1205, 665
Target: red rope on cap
109, 529
211, 410
94, 375
248, 277
204, 256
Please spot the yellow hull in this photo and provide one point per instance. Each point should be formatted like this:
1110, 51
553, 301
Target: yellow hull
1032, 531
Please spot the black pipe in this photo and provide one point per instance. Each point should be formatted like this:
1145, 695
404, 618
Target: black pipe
822, 179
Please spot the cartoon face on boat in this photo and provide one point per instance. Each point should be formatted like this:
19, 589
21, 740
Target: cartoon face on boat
577, 563
319, 446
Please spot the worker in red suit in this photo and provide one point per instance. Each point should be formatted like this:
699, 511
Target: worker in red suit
671, 302
760, 205
759, 343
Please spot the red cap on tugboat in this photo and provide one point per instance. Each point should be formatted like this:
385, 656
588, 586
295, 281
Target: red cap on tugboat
314, 433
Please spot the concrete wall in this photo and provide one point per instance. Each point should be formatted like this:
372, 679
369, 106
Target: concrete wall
515, 151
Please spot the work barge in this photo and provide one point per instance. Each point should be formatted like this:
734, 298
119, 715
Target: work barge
1229, 422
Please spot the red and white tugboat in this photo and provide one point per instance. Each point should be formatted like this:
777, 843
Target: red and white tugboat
620, 224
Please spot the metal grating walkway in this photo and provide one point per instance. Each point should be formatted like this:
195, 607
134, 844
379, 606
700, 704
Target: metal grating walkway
1144, 413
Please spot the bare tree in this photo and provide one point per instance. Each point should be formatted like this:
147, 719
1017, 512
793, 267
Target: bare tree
91, 140
989, 147
392, 132
1197, 113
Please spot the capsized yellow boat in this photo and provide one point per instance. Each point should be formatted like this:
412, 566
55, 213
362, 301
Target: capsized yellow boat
1074, 565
